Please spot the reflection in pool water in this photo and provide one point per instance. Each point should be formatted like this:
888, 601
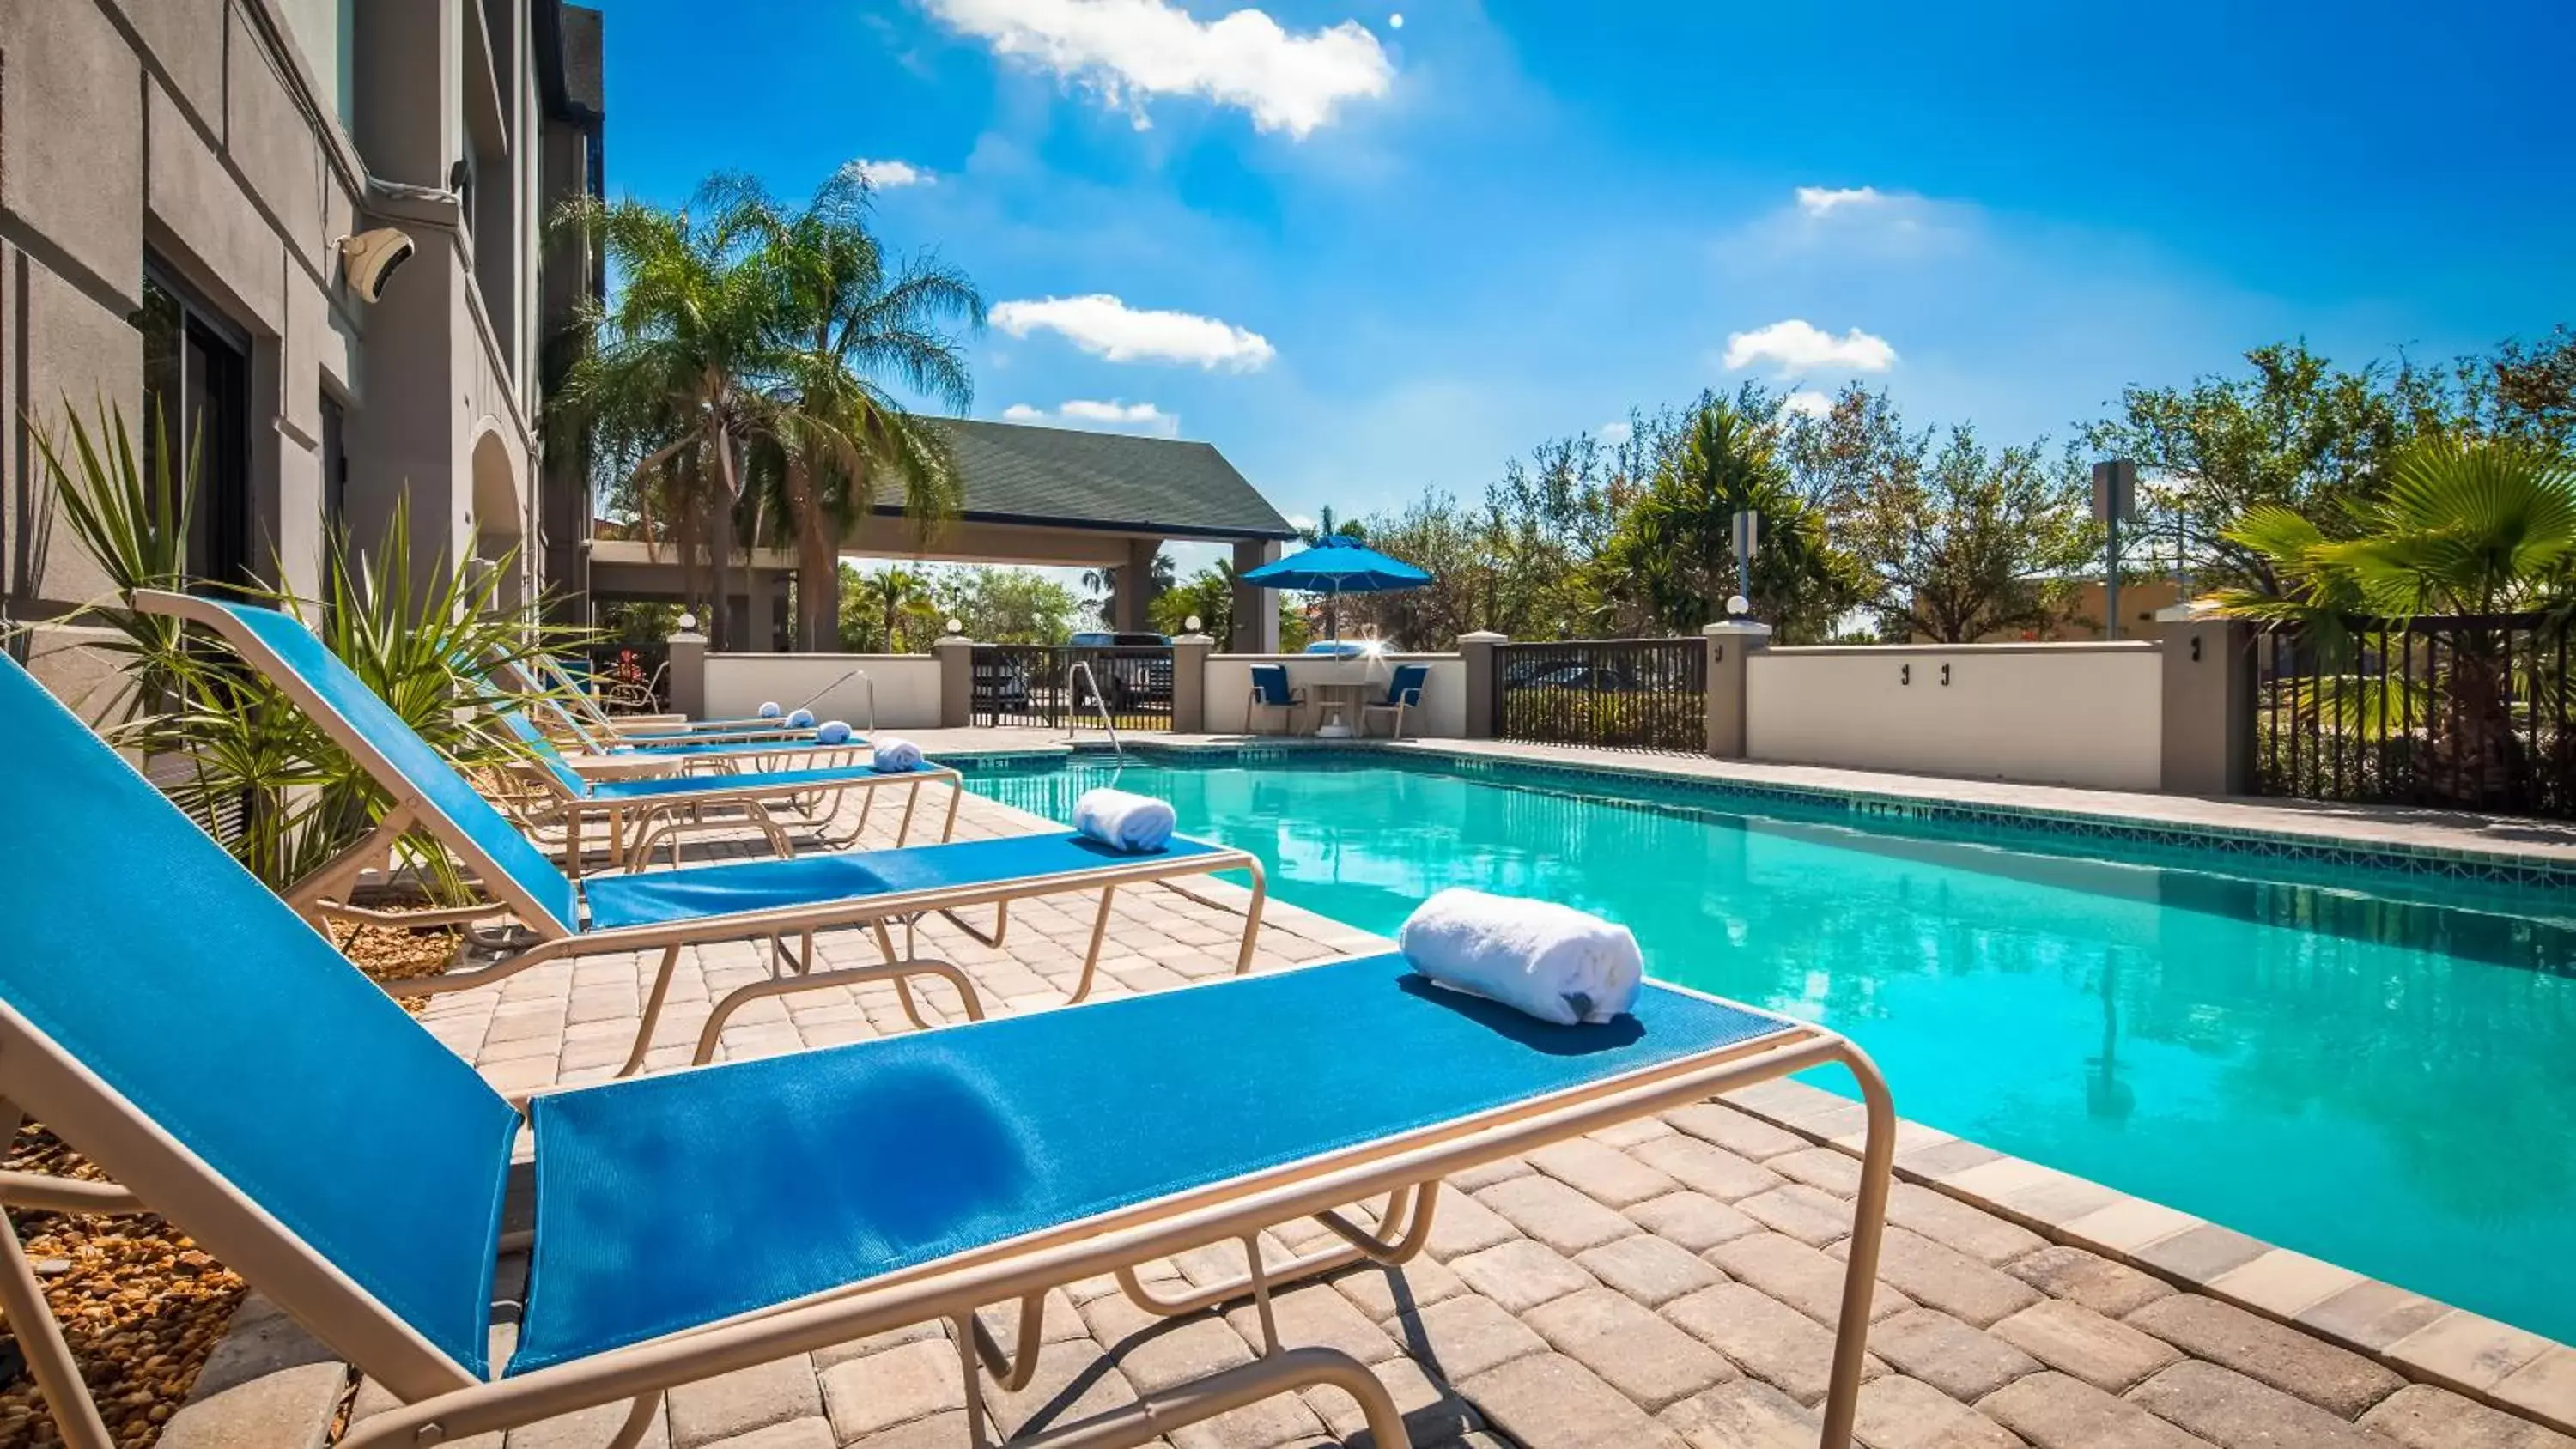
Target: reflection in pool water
2379, 1071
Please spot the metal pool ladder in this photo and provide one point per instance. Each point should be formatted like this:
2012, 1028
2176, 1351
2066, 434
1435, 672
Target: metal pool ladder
1081, 669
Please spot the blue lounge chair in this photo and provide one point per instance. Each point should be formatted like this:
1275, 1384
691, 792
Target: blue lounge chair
1403, 692
315, 1138
1270, 690
762, 900
556, 801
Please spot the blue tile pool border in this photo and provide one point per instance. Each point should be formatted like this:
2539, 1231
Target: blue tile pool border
2481, 867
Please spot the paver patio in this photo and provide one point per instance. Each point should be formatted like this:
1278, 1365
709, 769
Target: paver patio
1669, 1282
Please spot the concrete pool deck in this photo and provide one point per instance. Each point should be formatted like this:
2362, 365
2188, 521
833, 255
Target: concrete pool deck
1669, 1282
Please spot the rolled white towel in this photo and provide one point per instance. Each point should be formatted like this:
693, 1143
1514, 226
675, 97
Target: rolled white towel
802, 719
832, 732
895, 753
1139, 824
1549, 960
769, 709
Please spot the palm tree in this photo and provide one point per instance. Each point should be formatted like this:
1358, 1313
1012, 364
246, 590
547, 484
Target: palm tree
1325, 526
1103, 581
898, 594
2461, 529
665, 380
847, 321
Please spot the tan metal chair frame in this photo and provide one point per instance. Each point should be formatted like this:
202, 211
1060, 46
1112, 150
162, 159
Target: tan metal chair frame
443, 1403
325, 894
636, 828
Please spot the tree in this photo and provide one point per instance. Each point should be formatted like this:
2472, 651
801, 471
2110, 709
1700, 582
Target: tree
1007, 605
1103, 583
1208, 595
2530, 391
1326, 525
2459, 528
2297, 433
665, 382
1673, 556
847, 321
1960, 544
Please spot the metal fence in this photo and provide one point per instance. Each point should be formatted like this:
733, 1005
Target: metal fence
2468, 712
1040, 684
1638, 694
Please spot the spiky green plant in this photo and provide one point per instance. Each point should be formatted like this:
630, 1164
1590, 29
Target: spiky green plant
421, 641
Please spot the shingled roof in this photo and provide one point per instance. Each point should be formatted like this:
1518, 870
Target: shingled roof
1066, 478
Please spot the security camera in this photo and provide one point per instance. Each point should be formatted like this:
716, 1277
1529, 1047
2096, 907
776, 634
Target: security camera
368, 258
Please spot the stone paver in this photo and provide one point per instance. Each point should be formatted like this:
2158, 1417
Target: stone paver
1692, 1220
1666, 1281
2421, 1416
1798, 1276
1652, 1270
1629, 1348
1944, 1278
1963, 1362
1901, 1413
2053, 1411
1707, 1168
734, 1404
2114, 1290
1555, 1214
1742, 1414
2234, 1412
1763, 1336
1552, 1400
1521, 1274
2073, 1339
2329, 1377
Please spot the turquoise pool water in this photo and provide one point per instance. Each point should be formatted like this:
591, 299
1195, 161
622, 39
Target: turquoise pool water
2378, 1070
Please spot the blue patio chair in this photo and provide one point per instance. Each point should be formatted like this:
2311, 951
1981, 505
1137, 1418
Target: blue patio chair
774, 901
1271, 690
1403, 692
312, 1135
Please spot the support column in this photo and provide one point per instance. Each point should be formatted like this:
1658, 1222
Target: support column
1189, 683
689, 673
2208, 705
1256, 609
1478, 652
760, 616
1130, 605
956, 656
1730, 648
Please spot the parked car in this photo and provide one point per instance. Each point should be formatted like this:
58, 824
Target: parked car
1128, 674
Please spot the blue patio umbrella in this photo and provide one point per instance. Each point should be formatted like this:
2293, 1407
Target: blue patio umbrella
1336, 566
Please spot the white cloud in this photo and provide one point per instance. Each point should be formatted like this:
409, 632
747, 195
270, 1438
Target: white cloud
1301, 521
1395, 21
1083, 412
1131, 50
1615, 433
1807, 403
887, 175
1104, 326
1825, 200
1798, 346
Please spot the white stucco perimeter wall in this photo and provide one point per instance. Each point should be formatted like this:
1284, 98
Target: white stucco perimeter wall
1443, 714
2044, 714
907, 686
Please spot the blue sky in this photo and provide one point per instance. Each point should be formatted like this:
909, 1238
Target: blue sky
1366, 257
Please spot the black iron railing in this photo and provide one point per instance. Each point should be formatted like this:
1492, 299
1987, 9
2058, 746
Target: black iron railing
2464, 712
1635, 694
1038, 684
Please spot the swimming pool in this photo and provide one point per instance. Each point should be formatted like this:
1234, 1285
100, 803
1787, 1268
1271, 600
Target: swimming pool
2374, 1068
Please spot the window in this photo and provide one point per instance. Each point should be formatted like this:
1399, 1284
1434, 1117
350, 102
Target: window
196, 402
